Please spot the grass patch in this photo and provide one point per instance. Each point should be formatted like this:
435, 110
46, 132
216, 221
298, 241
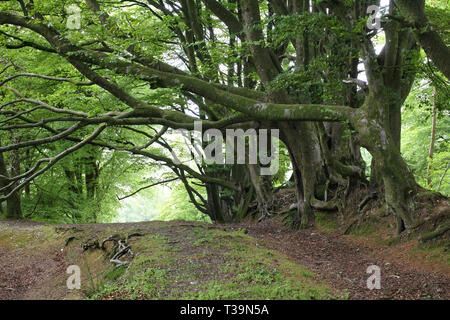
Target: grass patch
326, 221
366, 228
209, 264
434, 252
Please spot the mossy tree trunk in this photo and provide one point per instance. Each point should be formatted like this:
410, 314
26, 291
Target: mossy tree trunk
400, 186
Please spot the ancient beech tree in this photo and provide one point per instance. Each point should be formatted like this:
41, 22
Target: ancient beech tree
292, 65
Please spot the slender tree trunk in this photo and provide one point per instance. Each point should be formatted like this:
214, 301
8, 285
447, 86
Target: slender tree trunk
27, 187
433, 137
215, 210
262, 189
92, 175
13, 204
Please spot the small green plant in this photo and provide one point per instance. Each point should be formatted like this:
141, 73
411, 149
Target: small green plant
115, 273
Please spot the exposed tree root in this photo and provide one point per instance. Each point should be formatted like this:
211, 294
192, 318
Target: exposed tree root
440, 230
264, 214
90, 244
350, 226
68, 240
120, 248
366, 200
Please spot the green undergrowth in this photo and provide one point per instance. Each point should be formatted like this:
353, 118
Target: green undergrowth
209, 263
32, 238
326, 221
434, 251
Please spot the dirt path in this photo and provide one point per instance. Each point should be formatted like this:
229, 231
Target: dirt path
21, 269
21, 272
343, 263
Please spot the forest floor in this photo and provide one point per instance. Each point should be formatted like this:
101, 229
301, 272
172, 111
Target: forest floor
407, 270
186, 260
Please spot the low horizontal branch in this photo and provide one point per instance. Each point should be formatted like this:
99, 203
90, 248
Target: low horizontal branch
146, 187
41, 76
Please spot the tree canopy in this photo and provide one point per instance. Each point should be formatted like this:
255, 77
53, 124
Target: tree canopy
95, 92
